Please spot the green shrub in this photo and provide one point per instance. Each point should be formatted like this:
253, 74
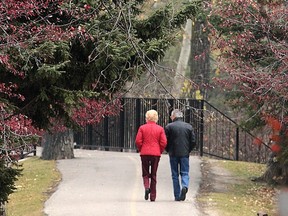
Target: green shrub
8, 176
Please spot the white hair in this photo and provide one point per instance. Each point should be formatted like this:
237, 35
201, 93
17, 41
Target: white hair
152, 115
177, 113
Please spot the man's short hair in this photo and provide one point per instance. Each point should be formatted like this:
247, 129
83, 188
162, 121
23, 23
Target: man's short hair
177, 113
151, 115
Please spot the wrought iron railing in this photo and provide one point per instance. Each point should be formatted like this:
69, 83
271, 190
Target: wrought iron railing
224, 138
217, 135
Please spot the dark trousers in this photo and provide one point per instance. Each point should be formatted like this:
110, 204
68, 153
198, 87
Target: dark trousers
149, 171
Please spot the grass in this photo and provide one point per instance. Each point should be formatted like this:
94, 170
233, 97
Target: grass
38, 179
243, 197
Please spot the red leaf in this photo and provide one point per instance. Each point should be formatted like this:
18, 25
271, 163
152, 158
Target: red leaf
274, 123
257, 141
275, 148
275, 138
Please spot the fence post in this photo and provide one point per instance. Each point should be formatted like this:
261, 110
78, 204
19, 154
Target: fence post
90, 136
201, 132
237, 145
34, 149
171, 107
122, 126
187, 112
138, 113
106, 134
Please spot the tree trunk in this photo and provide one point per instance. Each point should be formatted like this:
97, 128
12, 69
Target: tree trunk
58, 145
182, 65
276, 173
200, 56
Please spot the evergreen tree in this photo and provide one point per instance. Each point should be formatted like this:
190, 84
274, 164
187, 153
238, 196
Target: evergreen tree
66, 50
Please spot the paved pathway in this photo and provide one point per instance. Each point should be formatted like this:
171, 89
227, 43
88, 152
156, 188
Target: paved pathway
99, 183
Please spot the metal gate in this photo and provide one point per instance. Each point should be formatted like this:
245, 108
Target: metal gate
118, 132
216, 134
224, 138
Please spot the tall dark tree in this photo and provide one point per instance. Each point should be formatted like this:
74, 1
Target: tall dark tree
200, 55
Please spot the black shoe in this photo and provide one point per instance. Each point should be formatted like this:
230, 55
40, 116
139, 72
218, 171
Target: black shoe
147, 191
177, 199
183, 193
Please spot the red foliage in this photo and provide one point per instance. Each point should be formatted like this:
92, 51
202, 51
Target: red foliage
274, 123
276, 138
257, 141
276, 148
21, 125
253, 51
15, 129
17, 124
90, 112
93, 111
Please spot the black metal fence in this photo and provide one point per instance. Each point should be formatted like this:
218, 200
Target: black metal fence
216, 134
119, 132
224, 138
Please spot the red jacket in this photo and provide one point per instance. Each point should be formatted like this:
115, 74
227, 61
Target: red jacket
151, 139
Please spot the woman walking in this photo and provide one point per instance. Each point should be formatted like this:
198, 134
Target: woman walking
151, 142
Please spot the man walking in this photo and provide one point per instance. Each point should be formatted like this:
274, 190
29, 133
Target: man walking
181, 141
